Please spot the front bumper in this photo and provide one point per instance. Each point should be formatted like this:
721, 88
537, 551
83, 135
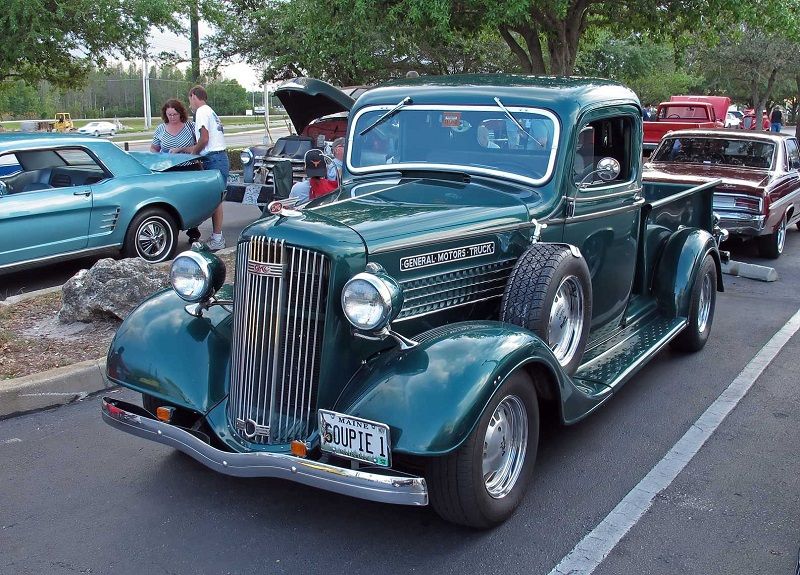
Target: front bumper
397, 489
741, 223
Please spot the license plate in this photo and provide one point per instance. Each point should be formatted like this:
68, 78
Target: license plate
354, 438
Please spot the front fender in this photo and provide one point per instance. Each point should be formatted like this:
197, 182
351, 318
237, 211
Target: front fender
432, 396
678, 267
163, 351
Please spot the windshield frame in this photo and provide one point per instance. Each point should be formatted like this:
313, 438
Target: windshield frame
464, 168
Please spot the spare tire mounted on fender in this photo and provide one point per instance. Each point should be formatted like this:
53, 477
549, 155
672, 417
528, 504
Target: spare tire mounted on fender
550, 293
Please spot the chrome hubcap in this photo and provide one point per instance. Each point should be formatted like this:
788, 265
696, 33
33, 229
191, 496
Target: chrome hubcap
781, 239
504, 446
566, 320
704, 306
152, 238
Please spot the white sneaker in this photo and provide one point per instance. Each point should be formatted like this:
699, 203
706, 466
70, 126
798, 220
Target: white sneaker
214, 244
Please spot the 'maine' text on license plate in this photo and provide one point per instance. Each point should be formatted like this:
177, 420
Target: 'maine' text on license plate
354, 437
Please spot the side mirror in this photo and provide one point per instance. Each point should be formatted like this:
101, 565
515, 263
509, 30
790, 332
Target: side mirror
607, 169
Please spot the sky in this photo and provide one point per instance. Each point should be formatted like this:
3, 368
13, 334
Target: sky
167, 41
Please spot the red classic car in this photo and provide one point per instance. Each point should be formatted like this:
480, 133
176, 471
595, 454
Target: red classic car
760, 194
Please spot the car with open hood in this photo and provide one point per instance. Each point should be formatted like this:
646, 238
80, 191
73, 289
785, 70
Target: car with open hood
68, 196
759, 196
318, 113
491, 253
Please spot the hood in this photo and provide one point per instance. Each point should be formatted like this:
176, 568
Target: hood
390, 213
732, 176
306, 99
162, 162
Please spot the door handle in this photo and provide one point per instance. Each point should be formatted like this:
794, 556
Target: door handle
82, 193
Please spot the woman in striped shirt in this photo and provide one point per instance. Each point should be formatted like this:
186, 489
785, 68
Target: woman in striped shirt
176, 132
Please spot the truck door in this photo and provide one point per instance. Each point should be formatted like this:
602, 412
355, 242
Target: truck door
602, 217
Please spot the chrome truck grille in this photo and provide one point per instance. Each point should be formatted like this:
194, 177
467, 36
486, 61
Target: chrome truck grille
278, 323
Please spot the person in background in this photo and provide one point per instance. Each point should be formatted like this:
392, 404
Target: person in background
337, 147
483, 138
776, 120
211, 146
176, 133
318, 182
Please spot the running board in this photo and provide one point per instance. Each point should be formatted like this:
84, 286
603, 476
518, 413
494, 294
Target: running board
611, 364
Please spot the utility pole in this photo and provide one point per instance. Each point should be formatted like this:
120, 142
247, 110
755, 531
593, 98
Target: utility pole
268, 137
148, 116
194, 41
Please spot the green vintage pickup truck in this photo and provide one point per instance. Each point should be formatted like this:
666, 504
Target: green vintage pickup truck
491, 254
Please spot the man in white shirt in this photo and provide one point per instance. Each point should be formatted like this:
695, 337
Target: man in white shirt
211, 146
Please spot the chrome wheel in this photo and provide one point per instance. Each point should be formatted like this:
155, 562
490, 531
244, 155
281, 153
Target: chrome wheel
504, 446
704, 305
153, 239
566, 320
780, 236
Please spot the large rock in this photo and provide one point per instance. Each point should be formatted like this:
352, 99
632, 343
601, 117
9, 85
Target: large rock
110, 288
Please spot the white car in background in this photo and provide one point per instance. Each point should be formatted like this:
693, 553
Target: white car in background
98, 129
733, 119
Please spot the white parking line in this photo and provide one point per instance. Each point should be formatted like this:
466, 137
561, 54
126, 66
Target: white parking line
587, 555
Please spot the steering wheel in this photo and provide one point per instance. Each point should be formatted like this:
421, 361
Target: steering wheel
673, 116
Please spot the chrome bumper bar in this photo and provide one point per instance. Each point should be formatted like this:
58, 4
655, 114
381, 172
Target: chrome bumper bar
397, 489
741, 223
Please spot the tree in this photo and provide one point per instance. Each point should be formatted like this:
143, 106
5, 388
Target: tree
346, 43
60, 40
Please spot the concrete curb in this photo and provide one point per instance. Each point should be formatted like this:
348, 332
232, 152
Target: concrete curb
751, 271
58, 386
52, 388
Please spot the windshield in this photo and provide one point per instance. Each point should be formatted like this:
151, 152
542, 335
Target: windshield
477, 139
723, 151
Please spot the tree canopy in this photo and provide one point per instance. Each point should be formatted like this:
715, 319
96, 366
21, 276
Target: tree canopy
60, 40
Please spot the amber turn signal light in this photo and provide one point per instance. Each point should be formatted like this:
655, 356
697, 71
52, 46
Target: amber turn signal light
299, 448
164, 413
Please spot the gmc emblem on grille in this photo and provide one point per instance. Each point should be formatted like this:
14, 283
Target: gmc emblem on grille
262, 269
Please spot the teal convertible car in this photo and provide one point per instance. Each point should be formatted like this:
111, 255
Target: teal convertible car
65, 196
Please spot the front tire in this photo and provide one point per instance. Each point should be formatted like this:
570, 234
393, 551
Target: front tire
701, 309
550, 293
771, 246
152, 236
482, 482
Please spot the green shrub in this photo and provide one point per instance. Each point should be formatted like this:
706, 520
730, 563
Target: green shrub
235, 159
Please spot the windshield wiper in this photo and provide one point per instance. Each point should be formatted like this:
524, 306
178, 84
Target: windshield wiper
513, 119
404, 102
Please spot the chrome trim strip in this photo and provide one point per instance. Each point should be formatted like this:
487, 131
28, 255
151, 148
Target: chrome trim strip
686, 193
396, 489
59, 257
454, 167
455, 235
498, 266
634, 206
580, 197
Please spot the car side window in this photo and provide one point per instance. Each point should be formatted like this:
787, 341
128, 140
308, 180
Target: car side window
603, 138
793, 154
55, 168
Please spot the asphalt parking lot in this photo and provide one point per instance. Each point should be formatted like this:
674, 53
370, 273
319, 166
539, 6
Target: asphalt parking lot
141, 507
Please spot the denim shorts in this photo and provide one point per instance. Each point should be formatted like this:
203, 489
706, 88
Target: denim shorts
217, 161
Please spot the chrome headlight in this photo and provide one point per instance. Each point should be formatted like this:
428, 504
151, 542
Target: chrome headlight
196, 274
371, 300
246, 156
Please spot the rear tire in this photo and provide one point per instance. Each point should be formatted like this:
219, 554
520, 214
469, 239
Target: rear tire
152, 235
481, 483
701, 309
550, 293
771, 246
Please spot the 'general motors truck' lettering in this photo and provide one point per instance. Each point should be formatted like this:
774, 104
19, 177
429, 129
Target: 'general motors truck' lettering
446, 256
